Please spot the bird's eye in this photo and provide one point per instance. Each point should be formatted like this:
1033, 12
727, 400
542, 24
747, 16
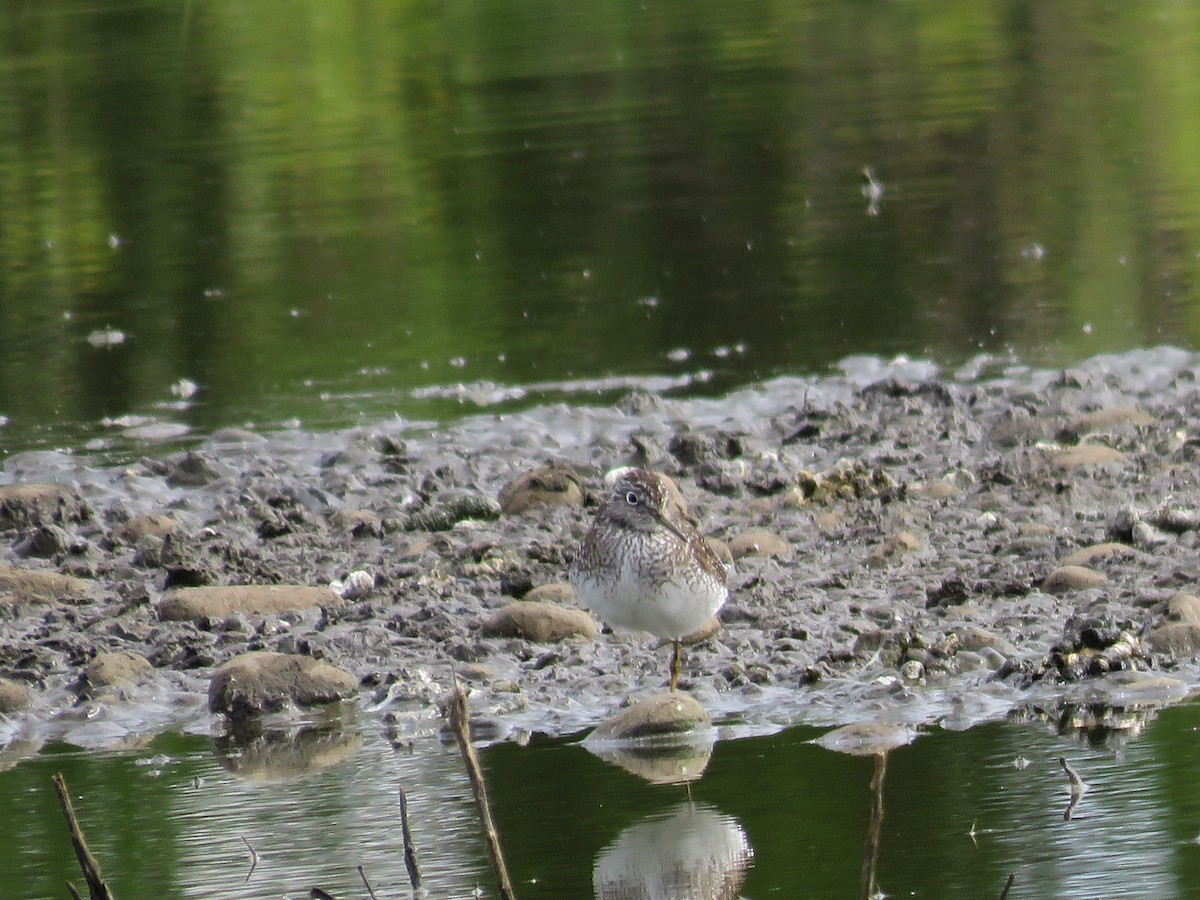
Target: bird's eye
632, 498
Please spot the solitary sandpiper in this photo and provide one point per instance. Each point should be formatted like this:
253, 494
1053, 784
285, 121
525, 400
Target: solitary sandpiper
644, 566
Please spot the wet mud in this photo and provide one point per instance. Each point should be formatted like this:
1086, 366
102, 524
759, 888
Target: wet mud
906, 545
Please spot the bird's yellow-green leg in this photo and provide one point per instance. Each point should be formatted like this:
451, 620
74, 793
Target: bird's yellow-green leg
674, 665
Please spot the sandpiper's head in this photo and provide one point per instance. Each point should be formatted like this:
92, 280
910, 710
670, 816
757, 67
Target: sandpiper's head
638, 499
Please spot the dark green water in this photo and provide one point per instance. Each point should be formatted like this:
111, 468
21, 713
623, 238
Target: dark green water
316, 213
771, 816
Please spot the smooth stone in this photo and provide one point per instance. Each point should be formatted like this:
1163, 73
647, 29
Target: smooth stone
1087, 455
263, 681
1106, 420
26, 504
1178, 639
1184, 607
829, 520
539, 622
555, 592
974, 639
1085, 555
116, 668
1071, 578
1035, 529
543, 486
867, 738
150, 525
941, 490
196, 603
658, 716
13, 696
757, 543
39, 586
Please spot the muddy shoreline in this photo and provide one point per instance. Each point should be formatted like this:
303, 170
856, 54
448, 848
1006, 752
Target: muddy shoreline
904, 543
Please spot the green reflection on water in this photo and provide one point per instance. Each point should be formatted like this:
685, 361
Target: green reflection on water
960, 814
286, 202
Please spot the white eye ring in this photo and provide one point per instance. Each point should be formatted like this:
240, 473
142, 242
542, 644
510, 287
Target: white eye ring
632, 498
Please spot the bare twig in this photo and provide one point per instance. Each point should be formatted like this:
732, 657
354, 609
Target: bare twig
97, 888
410, 850
253, 859
367, 884
1078, 788
460, 725
74, 891
1004, 893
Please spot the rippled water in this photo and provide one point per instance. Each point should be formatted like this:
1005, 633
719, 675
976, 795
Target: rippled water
770, 815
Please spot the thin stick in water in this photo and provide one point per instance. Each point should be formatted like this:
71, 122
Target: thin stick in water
1004, 893
410, 850
97, 888
253, 859
367, 884
460, 725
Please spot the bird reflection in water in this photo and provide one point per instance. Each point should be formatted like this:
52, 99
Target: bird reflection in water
690, 852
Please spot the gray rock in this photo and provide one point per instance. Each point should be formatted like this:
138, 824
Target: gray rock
757, 543
30, 505
543, 486
1086, 555
1177, 639
1071, 578
658, 716
197, 603
13, 696
115, 669
40, 586
262, 681
149, 525
539, 622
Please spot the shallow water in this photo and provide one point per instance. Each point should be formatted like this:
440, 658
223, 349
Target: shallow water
771, 815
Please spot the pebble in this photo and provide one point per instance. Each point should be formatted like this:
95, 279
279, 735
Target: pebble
1178, 639
24, 505
1087, 455
117, 668
540, 487
13, 696
198, 603
757, 543
1085, 555
539, 622
1184, 607
654, 717
1071, 578
559, 592
148, 525
262, 681
40, 586
1107, 419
